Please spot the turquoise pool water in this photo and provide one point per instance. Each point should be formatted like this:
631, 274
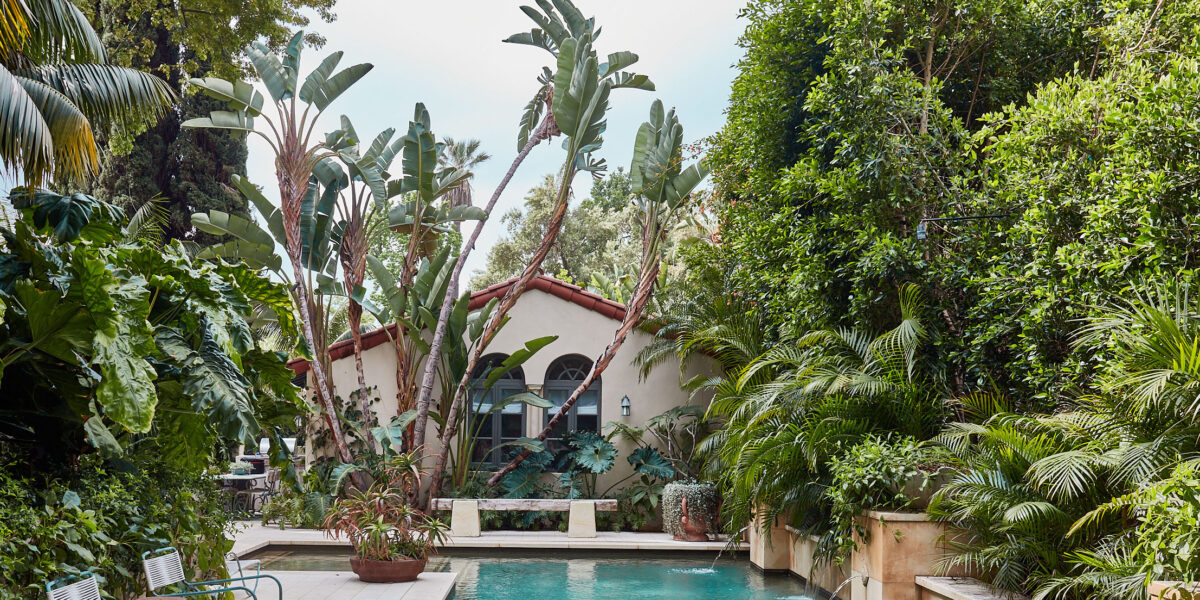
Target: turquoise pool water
560, 575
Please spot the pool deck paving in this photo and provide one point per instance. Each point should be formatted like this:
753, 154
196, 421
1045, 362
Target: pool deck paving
344, 585
252, 536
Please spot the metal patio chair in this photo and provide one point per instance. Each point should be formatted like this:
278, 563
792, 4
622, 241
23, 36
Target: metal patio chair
164, 569
81, 587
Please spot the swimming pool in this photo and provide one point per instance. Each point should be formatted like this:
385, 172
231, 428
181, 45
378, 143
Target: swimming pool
577, 575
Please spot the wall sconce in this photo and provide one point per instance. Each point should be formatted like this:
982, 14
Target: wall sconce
625, 406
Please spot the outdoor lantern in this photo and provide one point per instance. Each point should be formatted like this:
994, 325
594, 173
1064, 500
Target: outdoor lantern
625, 406
921, 230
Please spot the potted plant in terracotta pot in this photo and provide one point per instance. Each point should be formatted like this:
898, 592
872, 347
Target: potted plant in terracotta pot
392, 540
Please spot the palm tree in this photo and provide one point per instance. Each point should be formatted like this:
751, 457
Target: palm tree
464, 155
57, 85
1049, 504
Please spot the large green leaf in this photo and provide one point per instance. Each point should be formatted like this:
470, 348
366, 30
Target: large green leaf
66, 216
648, 461
222, 223
239, 95
526, 398
596, 456
272, 72
57, 327
318, 76
221, 119
420, 158
126, 389
253, 255
328, 91
213, 383
269, 211
517, 359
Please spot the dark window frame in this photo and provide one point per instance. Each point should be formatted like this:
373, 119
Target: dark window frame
570, 365
512, 383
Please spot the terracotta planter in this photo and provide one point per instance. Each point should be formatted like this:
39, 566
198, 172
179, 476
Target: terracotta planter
387, 571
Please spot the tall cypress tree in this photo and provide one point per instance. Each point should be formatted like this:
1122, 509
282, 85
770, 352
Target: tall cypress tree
189, 170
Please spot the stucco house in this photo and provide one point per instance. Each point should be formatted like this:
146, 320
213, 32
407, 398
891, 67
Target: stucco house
584, 323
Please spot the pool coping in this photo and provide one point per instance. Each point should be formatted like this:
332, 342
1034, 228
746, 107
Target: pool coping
253, 537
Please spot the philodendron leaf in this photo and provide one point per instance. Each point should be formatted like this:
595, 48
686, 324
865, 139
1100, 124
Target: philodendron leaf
596, 456
101, 438
648, 461
126, 389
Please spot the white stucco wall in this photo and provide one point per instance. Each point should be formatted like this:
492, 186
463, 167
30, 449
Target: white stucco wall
581, 331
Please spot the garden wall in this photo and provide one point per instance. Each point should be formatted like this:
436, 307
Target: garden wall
895, 563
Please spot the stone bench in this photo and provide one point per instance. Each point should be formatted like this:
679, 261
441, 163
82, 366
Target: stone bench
581, 520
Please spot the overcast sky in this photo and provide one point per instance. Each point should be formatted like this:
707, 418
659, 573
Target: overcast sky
449, 55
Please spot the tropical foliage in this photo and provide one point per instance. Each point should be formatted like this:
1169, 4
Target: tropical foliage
106, 338
61, 92
100, 517
1078, 503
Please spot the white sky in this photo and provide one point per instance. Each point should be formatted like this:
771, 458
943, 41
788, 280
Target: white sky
449, 55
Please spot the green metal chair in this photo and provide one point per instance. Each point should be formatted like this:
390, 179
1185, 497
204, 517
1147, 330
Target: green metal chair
74, 587
164, 569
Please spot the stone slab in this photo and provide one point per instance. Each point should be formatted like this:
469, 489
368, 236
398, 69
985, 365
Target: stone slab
253, 536
581, 521
464, 518
960, 588
345, 585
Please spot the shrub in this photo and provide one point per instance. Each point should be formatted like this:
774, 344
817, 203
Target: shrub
874, 474
701, 499
101, 518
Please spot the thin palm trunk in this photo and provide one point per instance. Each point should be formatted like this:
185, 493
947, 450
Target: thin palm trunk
493, 325
545, 131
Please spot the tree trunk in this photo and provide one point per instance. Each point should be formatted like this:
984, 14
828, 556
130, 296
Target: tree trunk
506, 303
439, 335
291, 197
354, 317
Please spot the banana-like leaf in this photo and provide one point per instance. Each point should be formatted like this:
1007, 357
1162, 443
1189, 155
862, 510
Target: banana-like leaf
269, 211
526, 398
319, 76
632, 80
617, 61
420, 158
517, 359
239, 95
330, 89
221, 119
219, 222
253, 255
580, 96
274, 75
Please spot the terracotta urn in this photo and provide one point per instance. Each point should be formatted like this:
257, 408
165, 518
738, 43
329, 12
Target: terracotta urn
695, 528
387, 571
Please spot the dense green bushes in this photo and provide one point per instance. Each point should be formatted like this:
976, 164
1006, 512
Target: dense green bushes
1070, 129
101, 517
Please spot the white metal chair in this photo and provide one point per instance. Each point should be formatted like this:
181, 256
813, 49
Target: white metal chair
81, 587
164, 569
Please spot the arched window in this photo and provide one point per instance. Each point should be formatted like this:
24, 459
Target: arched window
563, 376
494, 427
